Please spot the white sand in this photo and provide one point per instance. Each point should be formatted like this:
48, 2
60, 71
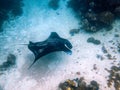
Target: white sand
36, 24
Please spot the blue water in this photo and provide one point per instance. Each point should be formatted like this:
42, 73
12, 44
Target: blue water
35, 24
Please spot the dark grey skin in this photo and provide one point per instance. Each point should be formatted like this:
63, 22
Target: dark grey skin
52, 44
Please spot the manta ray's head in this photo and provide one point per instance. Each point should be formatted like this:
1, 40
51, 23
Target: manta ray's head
68, 46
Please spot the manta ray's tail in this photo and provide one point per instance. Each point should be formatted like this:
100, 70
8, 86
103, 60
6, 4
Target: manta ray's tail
22, 44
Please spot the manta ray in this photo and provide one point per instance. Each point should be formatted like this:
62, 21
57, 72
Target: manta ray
53, 43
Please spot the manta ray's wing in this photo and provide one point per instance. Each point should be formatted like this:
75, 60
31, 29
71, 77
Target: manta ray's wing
34, 47
62, 44
32, 64
37, 49
53, 35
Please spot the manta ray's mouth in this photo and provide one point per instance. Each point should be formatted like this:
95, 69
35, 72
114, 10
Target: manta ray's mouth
67, 47
68, 44
68, 51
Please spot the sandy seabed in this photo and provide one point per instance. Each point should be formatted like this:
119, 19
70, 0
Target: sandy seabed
36, 24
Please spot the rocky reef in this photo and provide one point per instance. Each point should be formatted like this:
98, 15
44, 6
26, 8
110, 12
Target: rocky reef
74, 31
96, 14
114, 77
93, 40
11, 61
78, 84
9, 8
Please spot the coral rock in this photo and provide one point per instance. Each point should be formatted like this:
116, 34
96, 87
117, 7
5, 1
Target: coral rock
74, 31
94, 41
70, 85
106, 17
